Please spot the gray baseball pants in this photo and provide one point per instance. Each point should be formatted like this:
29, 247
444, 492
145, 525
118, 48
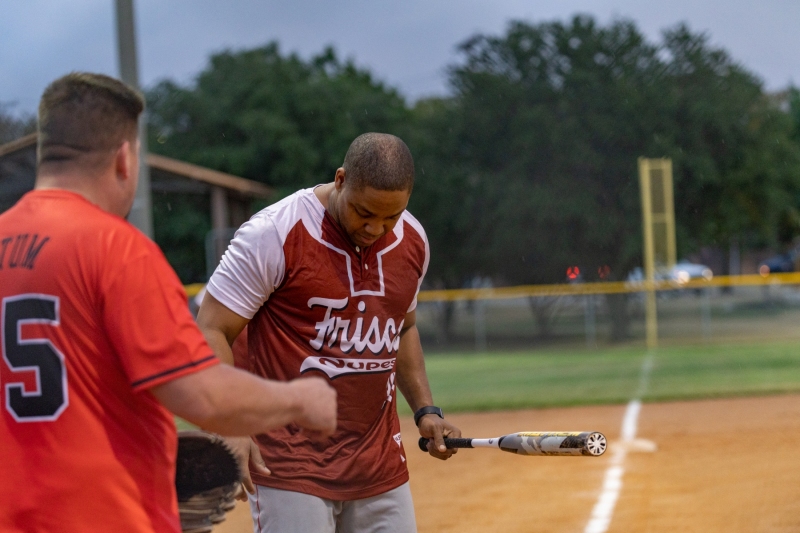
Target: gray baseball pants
282, 511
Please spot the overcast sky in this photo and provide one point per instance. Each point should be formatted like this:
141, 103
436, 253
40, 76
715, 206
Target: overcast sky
405, 44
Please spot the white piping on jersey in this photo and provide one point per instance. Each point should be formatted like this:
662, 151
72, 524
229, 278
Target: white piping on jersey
315, 230
254, 265
418, 227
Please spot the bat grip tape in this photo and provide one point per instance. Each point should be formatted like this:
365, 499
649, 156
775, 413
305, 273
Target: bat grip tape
450, 443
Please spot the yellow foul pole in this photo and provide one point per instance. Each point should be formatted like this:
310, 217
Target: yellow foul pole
651, 316
658, 225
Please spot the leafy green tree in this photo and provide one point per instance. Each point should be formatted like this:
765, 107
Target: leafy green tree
793, 99
262, 115
555, 116
551, 120
180, 225
270, 117
737, 166
442, 193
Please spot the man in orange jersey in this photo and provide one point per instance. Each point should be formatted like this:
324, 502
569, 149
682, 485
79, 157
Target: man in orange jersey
97, 340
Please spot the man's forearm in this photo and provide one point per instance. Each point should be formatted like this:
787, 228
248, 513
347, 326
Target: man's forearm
234, 402
237, 403
220, 326
219, 345
412, 380
229, 401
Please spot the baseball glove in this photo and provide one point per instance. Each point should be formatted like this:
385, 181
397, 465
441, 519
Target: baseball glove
207, 477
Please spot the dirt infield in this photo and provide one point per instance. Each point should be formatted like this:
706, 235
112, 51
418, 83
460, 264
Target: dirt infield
721, 465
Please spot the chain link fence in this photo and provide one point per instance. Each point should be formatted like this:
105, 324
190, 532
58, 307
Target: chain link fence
724, 310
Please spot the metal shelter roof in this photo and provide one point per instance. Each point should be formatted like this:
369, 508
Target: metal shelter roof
18, 173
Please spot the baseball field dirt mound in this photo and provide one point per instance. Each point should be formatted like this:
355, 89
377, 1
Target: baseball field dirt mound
713, 465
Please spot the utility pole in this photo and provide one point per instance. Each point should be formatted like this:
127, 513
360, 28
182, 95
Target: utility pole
141, 214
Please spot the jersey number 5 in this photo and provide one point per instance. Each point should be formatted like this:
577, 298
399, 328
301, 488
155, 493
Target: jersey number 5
49, 398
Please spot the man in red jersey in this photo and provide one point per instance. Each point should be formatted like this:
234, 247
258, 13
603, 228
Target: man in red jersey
326, 282
98, 342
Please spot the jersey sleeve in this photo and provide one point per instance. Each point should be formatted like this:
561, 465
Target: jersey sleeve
251, 268
149, 325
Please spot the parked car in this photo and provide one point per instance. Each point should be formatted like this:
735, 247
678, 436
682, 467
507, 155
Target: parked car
681, 273
685, 271
777, 263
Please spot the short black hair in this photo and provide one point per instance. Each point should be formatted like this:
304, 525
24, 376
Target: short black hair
83, 113
381, 161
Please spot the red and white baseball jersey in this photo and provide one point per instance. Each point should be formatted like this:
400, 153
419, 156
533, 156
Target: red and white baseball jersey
321, 306
92, 316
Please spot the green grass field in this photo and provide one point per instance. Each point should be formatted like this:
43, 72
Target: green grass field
518, 380
481, 382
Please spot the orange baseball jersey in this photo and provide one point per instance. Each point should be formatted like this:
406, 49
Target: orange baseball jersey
91, 316
321, 306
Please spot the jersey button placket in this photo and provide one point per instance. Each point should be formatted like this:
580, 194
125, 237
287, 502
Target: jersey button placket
365, 274
360, 261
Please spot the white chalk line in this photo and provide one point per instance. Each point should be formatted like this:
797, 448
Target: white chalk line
603, 509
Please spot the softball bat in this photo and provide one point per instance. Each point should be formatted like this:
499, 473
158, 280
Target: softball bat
590, 443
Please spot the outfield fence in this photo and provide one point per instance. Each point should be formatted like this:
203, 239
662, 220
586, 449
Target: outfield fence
724, 309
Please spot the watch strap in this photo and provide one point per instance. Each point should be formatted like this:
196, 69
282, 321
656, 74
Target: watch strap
427, 410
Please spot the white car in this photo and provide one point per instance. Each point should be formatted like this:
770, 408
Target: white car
681, 273
684, 271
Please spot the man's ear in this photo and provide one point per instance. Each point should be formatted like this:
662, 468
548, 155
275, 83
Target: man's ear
122, 163
338, 180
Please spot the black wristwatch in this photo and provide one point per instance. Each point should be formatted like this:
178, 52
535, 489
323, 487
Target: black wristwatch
427, 410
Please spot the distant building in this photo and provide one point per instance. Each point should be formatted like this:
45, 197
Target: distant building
230, 197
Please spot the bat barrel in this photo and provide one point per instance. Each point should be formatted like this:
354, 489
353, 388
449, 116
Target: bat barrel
450, 443
586, 443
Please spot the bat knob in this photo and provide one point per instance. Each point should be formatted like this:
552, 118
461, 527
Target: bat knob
423, 444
